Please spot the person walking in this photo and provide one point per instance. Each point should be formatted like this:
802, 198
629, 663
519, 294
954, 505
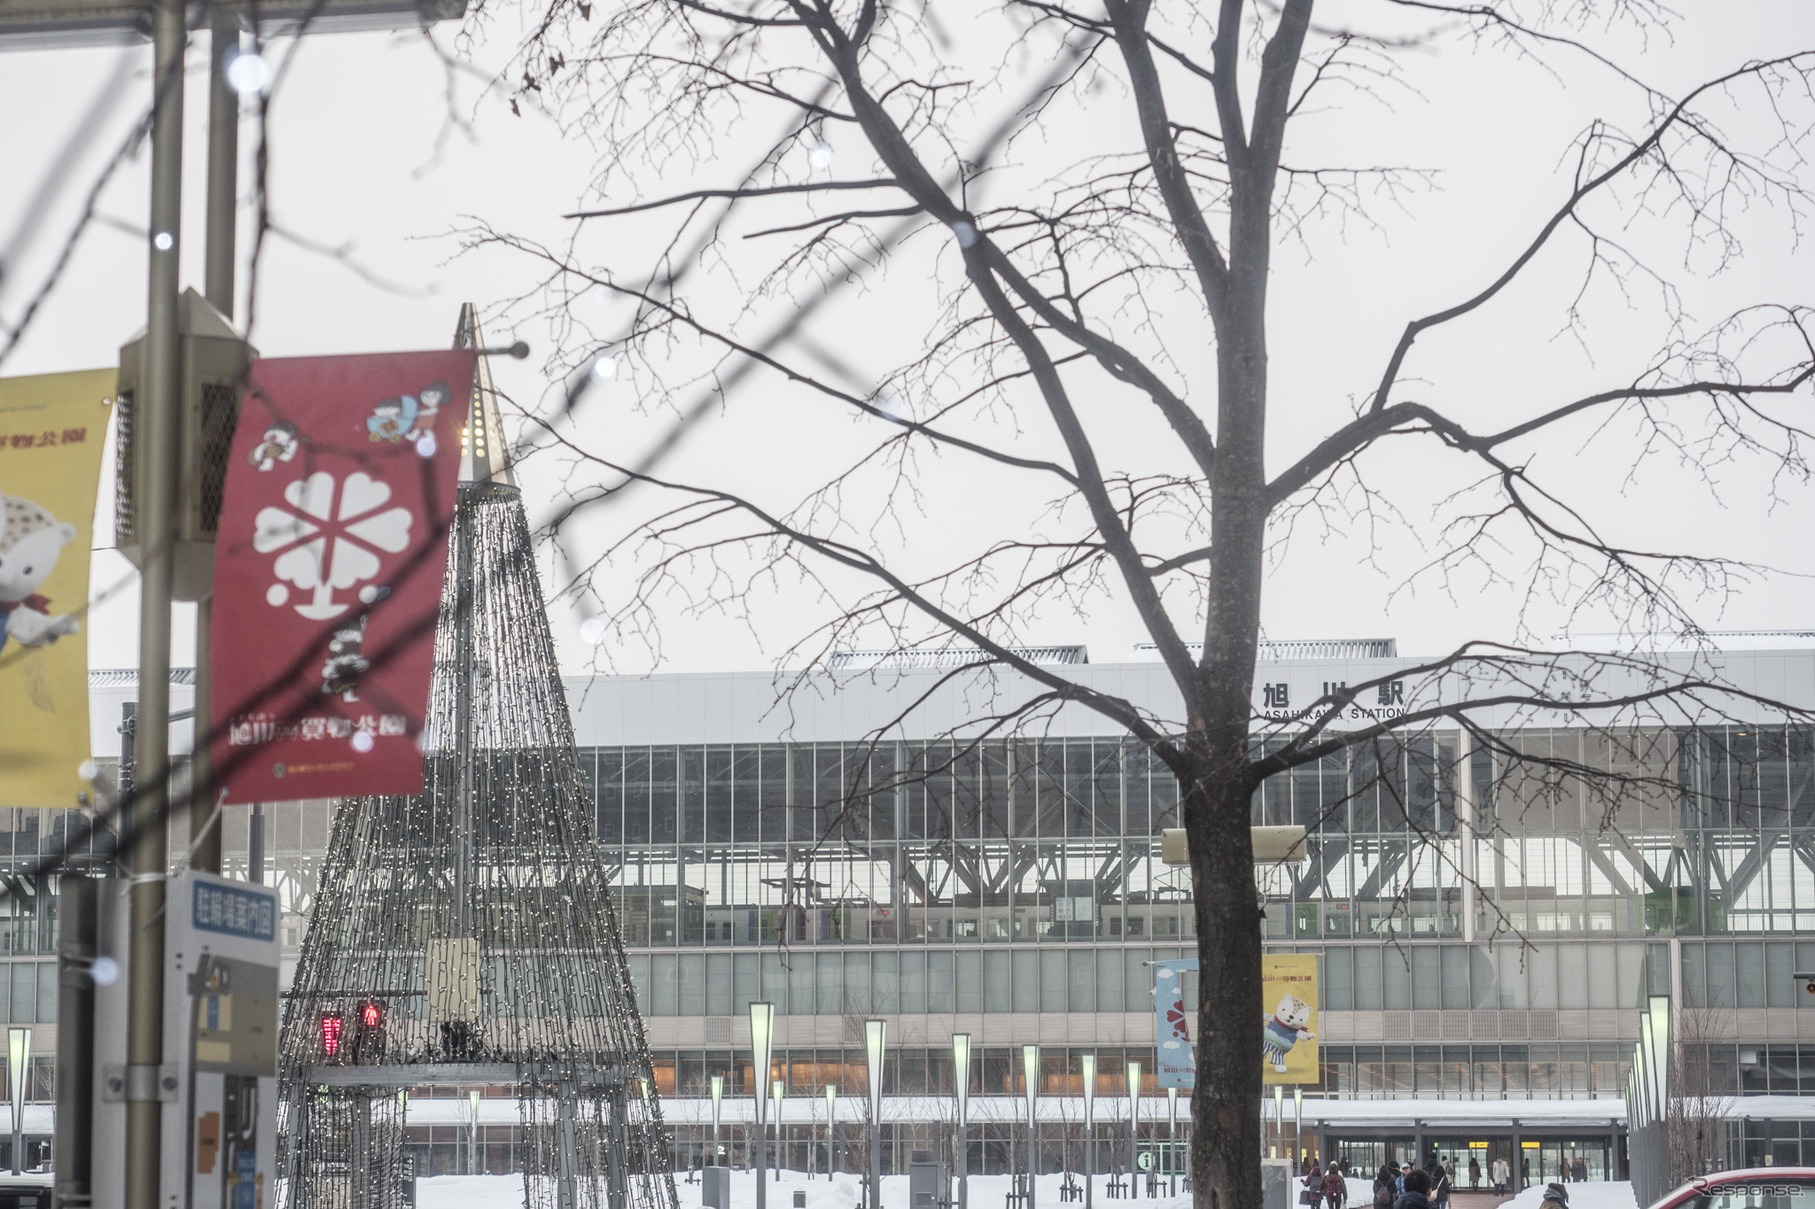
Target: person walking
1441, 1185
1474, 1172
1417, 1191
1502, 1174
1386, 1186
1555, 1197
1335, 1190
1313, 1182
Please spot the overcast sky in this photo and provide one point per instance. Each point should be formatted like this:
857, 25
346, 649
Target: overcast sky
365, 156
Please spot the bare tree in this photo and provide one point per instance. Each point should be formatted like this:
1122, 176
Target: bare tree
1085, 329
1701, 1093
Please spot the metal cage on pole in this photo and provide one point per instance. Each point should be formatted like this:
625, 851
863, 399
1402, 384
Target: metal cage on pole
1030, 1081
1134, 1124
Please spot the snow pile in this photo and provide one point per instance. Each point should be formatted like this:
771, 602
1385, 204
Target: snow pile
1581, 1196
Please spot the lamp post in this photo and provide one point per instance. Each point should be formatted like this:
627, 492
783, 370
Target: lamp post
831, 1124
875, 1037
1279, 1120
777, 1091
762, 1039
718, 1097
1134, 1123
1172, 1138
472, 1135
1298, 1128
18, 1059
961, 1089
1030, 1080
1089, 1064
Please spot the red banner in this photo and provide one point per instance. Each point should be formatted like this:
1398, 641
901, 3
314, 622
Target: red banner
328, 572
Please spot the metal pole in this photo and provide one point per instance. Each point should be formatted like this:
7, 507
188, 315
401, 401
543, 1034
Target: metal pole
76, 946
255, 844
156, 418
223, 181
1089, 1064
18, 1071
961, 1091
1134, 1125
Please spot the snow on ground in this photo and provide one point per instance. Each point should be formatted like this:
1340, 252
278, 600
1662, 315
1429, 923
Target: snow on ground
1581, 1196
840, 1192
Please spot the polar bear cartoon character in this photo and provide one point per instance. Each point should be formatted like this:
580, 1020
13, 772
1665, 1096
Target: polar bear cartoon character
1285, 1029
30, 541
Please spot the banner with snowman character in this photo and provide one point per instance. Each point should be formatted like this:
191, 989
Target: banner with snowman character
52, 430
1289, 1036
328, 571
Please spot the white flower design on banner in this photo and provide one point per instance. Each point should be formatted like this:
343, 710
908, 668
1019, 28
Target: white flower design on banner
329, 544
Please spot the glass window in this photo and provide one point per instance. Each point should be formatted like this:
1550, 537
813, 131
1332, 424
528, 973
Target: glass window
830, 983
719, 984
1455, 977
939, 981
967, 981
1338, 979
1083, 978
1749, 960
913, 982
692, 972
1427, 981
1053, 989
1396, 965
998, 981
1027, 980
664, 788
25, 992
1781, 988
1109, 981
661, 985
1368, 977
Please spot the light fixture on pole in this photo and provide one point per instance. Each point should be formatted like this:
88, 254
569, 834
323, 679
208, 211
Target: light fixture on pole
762, 1040
1134, 1121
1298, 1125
961, 1089
1030, 1083
1172, 1136
1660, 1042
18, 1060
831, 1124
472, 1137
1088, 1064
875, 1038
1279, 1119
777, 1091
718, 1098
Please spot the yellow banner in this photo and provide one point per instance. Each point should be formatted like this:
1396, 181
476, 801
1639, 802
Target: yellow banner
1289, 1042
52, 430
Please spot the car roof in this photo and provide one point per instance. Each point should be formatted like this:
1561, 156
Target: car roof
1738, 1175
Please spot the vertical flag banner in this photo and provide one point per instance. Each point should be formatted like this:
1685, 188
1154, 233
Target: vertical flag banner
1289, 1040
52, 430
1171, 1027
328, 573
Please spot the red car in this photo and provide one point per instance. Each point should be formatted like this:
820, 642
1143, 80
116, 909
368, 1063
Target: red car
1746, 1188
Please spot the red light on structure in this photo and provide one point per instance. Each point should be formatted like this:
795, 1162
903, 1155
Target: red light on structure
331, 1027
371, 1015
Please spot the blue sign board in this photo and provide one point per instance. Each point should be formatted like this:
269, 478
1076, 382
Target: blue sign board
235, 912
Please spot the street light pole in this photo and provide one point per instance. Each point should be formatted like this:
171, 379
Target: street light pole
1030, 1084
1134, 1125
831, 1124
156, 419
1171, 1138
762, 1040
718, 1096
875, 1036
1089, 1064
777, 1090
18, 1061
1298, 1128
961, 1089
1279, 1119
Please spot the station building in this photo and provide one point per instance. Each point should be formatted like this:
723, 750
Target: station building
819, 851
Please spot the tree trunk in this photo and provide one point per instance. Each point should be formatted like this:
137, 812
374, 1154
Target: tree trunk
1225, 1107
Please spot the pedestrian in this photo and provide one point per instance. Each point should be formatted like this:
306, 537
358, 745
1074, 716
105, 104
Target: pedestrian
1313, 1182
1555, 1197
1417, 1191
1386, 1185
1580, 1173
1441, 1184
1474, 1172
1335, 1189
1502, 1174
